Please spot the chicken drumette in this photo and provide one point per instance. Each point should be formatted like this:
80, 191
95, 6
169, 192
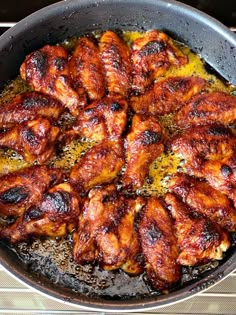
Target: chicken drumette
24, 188
33, 139
199, 239
144, 145
167, 96
151, 56
159, 245
213, 107
56, 215
46, 70
28, 106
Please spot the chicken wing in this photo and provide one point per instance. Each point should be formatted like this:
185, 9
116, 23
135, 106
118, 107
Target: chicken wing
100, 165
144, 145
152, 55
28, 106
86, 68
205, 200
167, 96
115, 56
24, 188
55, 216
33, 139
103, 119
46, 70
199, 239
210, 107
159, 245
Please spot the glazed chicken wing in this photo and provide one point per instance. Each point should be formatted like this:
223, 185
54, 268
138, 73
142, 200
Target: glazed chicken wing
115, 57
24, 188
86, 68
100, 165
199, 239
152, 55
28, 106
33, 139
46, 70
144, 145
55, 216
102, 119
159, 245
167, 96
205, 200
211, 107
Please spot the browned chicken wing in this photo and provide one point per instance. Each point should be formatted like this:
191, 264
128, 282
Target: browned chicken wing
86, 68
144, 145
102, 119
115, 56
159, 245
210, 107
167, 96
55, 216
46, 70
24, 188
28, 106
100, 165
33, 139
205, 200
152, 55
199, 239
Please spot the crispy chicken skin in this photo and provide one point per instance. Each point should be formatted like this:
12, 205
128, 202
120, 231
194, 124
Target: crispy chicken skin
56, 215
159, 245
152, 55
144, 145
198, 144
115, 57
28, 106
24, 188
199, 239
100, 165
211, 107
103, 119
33, 139
167, 96
86, 68
204, 199
106, 231
46, 70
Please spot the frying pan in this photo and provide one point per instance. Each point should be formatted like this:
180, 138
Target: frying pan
213, 41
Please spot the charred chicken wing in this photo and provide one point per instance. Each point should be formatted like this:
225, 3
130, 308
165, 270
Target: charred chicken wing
144, 145
199, 239
55, 216
28, 106
33, 139
205, 200
24, 188
46, 70
115, 58
211, 107
86, 68
167, 96
152, 55
100, 164
159, 245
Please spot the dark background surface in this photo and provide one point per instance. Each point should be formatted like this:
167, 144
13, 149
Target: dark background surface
15, 10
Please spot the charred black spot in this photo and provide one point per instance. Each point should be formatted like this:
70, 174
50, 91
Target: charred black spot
177, 85
197, 113
226, 170
218, 131
153, 233
59, 63
30, 137
34, 101
149, 137
14, 195
32, 213
115, 107
59, 201
209, 234
39, 60
153, 47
